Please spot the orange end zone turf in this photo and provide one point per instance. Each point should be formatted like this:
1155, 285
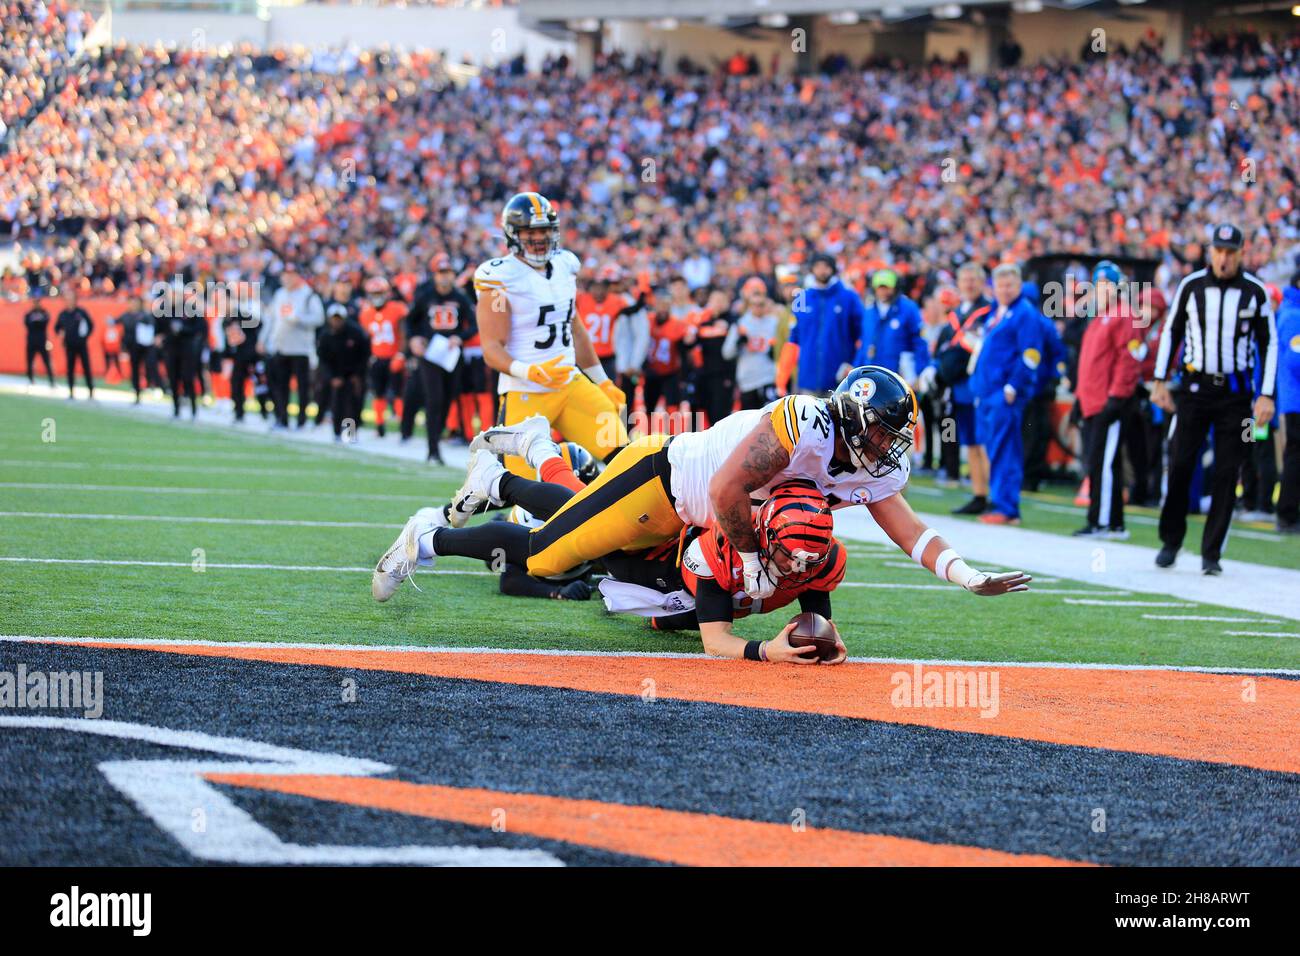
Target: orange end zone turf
671, 836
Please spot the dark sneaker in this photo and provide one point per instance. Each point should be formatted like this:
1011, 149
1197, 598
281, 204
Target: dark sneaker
1288, 527
976, 506
1115, 534
1087, 531
1165, 559
1211, 566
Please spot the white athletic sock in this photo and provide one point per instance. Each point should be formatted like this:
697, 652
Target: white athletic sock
494, 486
426, 543
541, 450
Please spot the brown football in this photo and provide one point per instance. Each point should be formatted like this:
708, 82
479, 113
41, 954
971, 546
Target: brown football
813, 630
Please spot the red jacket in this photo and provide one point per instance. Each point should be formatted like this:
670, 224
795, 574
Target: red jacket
1110, 360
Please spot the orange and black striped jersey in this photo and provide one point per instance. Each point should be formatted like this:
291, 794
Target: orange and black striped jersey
712, 556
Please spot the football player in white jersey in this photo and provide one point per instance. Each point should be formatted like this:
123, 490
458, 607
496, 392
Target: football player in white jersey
547, 363
852, 446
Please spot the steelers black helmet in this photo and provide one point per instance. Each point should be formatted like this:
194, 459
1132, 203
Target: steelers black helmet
875, 412
581, 461
531, 211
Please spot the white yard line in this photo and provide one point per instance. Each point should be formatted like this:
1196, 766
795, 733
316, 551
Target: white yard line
227, 566
349, 647
1203, 617
202, 468
170, 490
189, 519
1259, 634
1107, 602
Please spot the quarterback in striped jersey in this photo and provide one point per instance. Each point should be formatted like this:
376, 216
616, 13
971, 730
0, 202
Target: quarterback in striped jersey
526, 322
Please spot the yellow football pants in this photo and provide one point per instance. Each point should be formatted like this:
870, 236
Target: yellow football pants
581, 413
627, 508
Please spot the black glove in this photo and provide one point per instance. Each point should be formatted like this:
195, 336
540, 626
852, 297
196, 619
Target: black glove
578, 590
1076, 414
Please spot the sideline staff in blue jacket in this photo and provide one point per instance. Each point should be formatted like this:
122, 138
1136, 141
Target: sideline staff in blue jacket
827, 319
891, 328
1003, 382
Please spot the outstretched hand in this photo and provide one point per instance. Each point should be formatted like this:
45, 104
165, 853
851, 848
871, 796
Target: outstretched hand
990, 585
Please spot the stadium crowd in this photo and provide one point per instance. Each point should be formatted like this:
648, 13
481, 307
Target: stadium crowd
38, 42
712, 209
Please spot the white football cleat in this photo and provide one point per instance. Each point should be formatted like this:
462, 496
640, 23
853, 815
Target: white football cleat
399, 561
484, 469
514, 440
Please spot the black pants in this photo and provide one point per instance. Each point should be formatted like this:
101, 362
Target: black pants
668, 387
139, 356
74, 352
716, 394
1288, 498
1228, 413
1259, 474
241, 370
428, 388
345, 400
1142, 445
282, 368
35, 349
1103, 437
758, 397
182, 375
949, 444
1036, 433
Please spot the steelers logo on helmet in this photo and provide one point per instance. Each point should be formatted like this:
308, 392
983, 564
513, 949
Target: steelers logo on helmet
531, 227
863, 389
875, 413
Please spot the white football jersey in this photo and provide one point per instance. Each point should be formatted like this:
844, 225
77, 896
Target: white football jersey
803, 426
541, 310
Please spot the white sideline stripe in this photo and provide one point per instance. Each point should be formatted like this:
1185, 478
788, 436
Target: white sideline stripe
1210, 617
1260, 634
1108, 603
188, 519
227, 566
649, 655
1132, 518
154, 489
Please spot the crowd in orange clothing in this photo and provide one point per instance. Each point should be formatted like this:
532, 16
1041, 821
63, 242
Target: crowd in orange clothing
37, 42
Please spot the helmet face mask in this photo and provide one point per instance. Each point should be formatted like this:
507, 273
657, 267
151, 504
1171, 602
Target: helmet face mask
794, 529
531, 227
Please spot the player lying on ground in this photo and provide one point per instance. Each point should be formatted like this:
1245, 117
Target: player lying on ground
701, 591
705, 591
852, 447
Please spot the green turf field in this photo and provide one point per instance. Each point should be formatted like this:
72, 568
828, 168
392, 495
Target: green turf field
1053, 510
329, 512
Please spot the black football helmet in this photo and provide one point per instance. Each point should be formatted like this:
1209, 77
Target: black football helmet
530, 211
583, 462
875, 412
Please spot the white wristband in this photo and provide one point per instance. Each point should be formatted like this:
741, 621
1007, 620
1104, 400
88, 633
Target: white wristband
596, 373
918, 550
519, 369
941, 563
959, 573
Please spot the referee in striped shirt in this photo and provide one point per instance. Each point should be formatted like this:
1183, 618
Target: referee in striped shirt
1222, 318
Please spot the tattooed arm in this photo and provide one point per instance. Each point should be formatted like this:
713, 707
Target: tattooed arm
750, 466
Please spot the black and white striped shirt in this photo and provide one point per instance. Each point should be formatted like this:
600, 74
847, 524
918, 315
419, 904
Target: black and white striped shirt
1217, 321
